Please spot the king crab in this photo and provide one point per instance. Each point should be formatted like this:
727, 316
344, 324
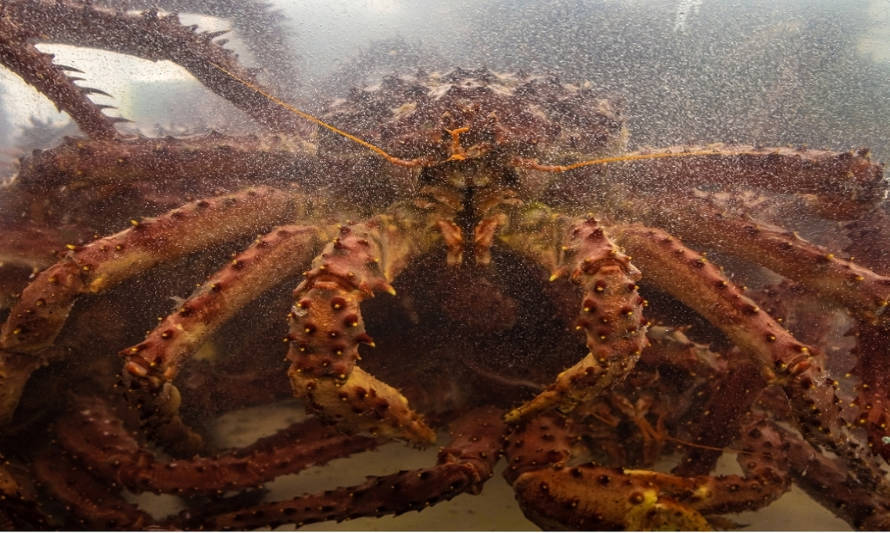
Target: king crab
454, 168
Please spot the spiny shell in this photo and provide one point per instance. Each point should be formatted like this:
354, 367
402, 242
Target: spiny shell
531, 116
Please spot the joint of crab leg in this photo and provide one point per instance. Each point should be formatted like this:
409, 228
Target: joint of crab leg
157, 403
543, 441
155, 37
326, 321
475, 440
611, 318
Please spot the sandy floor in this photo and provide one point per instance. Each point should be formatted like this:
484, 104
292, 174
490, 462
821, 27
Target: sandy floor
494, 509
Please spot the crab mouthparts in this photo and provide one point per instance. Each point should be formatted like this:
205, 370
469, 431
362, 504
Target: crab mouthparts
457, 150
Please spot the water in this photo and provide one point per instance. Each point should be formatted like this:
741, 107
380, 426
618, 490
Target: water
795, 73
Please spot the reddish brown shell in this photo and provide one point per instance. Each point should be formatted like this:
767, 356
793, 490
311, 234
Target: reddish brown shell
531, 116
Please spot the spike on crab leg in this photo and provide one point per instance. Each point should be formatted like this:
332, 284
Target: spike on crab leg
327, 327
691, 279
611, 310
463, 466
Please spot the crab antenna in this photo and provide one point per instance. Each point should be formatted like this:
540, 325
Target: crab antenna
376, 149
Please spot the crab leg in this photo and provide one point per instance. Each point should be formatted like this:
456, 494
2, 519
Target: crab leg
688, 277
15, 370
151, 366
260, 25
155, 38
45, 304
590, 497
95, 503
27, 246
869, 240
269, 260
165, 162
799, 310
731, 385
215, 387
873, 394
38, 70
827, 482
844, 182
95, 435
37, 319
863, 291
463, 466
327, 326
611, 313
716, 424
20, 509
